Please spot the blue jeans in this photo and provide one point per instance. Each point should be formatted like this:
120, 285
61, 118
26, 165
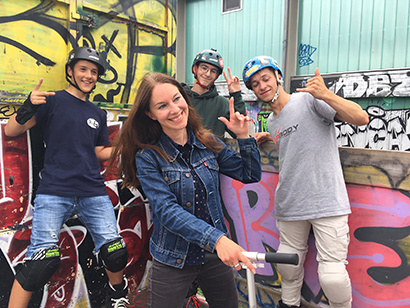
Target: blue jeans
50, 213
168, 285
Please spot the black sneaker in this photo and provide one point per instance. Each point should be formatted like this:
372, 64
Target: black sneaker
117, 295
283, 305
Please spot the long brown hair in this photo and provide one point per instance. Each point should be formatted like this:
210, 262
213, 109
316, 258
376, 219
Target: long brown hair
140, 131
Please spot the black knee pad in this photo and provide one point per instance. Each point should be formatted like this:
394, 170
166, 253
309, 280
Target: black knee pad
37, 271
114, 255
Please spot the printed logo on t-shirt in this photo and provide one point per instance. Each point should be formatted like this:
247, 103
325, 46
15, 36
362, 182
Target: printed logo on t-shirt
281, 133
93, 123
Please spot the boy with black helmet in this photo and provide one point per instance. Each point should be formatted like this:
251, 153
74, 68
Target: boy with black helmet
207, 67
83, 53
311, 193
75, 134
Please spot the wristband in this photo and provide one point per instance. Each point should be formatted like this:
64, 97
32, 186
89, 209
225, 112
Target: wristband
26, 112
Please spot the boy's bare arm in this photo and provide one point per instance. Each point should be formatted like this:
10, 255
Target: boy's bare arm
13, 129
346, 110
103, 153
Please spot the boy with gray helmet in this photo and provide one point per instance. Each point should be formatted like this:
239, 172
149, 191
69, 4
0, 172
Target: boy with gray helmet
207, 67
75, 134
301, 126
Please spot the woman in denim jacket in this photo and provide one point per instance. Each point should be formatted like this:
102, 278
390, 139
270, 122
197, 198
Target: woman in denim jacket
164, 147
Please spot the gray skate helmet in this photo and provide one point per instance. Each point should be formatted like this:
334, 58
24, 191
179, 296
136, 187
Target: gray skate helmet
210, 56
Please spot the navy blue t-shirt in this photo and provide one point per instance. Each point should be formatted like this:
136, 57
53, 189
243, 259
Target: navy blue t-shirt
72, 128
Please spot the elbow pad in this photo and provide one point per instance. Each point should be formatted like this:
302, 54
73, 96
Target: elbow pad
26, 112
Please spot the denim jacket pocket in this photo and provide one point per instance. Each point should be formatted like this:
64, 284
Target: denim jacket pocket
212, 164
172, 177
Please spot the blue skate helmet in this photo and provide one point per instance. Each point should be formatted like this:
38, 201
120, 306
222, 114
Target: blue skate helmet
256, 64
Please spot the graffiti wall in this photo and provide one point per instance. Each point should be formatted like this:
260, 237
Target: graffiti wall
379, 228
379, 254
134, 37
384, 95
139, 36
81, 278
388, 127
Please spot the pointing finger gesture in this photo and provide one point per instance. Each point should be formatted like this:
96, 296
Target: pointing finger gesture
37, 97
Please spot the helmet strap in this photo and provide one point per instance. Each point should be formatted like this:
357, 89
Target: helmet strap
195, 69
75, 85
200, 84
279, 83
197, 80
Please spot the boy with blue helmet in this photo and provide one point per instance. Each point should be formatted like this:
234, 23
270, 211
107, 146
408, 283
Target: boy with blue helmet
253, 66
256, 64
301, 126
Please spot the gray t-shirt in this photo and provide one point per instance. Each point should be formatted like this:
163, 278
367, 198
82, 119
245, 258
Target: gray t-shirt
311, 183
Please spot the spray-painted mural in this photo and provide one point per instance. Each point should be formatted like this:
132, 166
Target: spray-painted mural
379, 251
379, 229
139, 36
385, 97
134, 37
81, 279
383, 94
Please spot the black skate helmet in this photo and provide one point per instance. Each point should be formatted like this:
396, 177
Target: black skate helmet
85, 53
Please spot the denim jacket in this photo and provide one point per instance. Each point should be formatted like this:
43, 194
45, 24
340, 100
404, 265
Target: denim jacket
170, 190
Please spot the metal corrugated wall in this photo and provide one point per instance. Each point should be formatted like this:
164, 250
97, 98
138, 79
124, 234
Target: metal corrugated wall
351, 35
256, 29
334, 35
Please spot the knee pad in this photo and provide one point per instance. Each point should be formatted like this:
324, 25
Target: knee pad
114, 255
37, 271
335, 283
289, 271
